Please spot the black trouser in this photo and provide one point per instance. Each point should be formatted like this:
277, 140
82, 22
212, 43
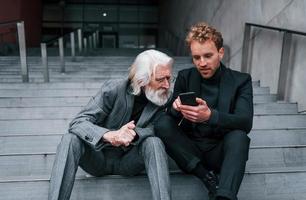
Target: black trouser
226, 156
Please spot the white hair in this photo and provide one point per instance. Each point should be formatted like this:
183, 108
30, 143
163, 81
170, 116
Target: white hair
144, 67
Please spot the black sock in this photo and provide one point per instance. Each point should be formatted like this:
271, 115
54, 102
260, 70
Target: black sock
200, 171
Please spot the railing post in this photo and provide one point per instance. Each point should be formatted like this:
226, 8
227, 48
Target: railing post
61, 53
80, 40
94, 40
98, 39
23, 53
85, 44
72, 41
285, 71
245, 49
90, 42
44, 60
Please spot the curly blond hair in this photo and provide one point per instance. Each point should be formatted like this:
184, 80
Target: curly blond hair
202, 32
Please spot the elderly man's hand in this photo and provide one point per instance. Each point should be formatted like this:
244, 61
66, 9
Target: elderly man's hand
124, 136
198, 114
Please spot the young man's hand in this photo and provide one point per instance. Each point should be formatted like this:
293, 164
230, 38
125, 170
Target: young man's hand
176, 104
198, 114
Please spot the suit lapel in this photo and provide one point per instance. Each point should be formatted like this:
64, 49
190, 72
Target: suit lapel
147, 113
225, 91
195, 82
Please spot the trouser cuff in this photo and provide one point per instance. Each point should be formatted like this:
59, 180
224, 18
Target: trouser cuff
227, 194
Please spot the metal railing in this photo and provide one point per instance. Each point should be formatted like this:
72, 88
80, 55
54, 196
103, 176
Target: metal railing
92, 40
285, 67
22, 47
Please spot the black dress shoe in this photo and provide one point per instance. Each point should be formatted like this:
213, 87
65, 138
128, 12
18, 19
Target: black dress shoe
211, 182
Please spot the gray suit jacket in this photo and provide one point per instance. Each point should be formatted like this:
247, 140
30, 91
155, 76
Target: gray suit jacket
110, 109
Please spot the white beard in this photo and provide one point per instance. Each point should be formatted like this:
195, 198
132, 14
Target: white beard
158, 97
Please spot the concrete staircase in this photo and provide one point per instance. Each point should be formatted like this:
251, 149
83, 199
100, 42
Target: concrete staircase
34, 116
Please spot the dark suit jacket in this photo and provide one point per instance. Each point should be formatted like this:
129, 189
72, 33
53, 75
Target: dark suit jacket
110, 109
235, 102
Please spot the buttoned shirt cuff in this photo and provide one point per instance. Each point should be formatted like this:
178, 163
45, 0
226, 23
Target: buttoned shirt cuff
101, 144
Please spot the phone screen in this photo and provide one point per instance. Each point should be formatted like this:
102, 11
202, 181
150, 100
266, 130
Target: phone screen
188, 98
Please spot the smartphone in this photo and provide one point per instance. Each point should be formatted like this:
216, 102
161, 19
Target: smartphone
188, 98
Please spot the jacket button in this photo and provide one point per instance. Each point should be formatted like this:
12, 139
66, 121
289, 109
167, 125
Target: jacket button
86, 137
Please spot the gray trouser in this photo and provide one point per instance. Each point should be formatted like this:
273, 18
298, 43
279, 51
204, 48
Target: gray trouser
73, 152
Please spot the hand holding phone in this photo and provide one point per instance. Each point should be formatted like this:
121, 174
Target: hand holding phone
188, 98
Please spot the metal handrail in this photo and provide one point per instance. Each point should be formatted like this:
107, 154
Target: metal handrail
93, 40
7, 23
277, 29
50, 41
285, 67
60, 41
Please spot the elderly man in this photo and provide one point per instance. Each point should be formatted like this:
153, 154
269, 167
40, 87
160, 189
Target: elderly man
114, 133
210, 135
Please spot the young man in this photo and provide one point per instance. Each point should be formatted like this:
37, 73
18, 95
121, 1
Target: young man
114, 133
211, 136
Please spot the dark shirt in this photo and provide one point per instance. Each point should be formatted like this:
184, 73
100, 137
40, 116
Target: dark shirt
210, 94
139, 104
210, 89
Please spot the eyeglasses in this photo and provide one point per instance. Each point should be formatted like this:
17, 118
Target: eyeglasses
169, 79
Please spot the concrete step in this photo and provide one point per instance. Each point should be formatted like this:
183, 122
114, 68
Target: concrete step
264, 98
38, 71
60, 76
49, 93
69, 69
98, 59
278, 137
108, 188
58, 112
33, 126
261, 160
270, 186
75, 92
43, 86
39, 113
98, 65
29, 144
45, 126
81, 101
276, 108
63, 85
37, 143
59, 79
279, 121
123, 68
44, 101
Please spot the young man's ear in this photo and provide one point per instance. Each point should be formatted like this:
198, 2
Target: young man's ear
221, 53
